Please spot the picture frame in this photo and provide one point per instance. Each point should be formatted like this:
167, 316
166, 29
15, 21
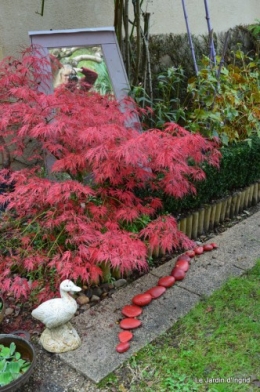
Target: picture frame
104, 39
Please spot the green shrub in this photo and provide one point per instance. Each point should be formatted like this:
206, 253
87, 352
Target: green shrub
239, 167
225, 99
167, 104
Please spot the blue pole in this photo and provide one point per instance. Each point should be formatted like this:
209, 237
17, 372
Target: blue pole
212, 54
189, 37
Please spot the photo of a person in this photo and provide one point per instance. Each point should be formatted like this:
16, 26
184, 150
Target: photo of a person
69, 75
65, 73
81, 67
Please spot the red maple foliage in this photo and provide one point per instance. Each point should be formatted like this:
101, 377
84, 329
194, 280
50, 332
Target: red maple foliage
71, 223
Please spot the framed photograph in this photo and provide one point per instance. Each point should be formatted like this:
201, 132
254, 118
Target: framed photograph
89, 57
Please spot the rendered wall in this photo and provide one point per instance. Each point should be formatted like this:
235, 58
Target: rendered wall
224, 14
18, 17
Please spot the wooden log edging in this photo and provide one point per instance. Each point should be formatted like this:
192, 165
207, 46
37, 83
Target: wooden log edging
211, 215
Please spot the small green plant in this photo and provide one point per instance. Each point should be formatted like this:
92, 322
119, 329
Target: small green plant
12, 366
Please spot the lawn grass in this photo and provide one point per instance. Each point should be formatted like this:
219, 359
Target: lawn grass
215, 347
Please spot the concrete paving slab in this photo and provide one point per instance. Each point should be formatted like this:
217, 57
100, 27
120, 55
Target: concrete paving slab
166, 310
204, 280
99, 326
96, 357
164, 269
240, 244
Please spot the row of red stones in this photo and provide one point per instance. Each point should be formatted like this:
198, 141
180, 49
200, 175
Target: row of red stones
134, 310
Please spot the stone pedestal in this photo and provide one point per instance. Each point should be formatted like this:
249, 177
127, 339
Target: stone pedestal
60, 339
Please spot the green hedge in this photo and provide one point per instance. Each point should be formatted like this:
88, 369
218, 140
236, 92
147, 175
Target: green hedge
240, 167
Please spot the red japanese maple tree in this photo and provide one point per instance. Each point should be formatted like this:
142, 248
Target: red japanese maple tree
72, 224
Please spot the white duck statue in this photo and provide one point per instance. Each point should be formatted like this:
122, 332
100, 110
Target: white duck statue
59, 336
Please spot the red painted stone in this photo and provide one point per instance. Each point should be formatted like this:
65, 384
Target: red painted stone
156, 291
122, 347
215, 246
125, 336
132, 310
166, 281
130, 323
178, 273
184, 257
142, 299
190, 253
183, 264
199, 250
207, 247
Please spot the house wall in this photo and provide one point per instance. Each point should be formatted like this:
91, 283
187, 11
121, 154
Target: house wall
224, 14
18, 17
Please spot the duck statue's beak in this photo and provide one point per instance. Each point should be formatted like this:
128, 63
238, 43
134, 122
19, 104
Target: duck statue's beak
75, 289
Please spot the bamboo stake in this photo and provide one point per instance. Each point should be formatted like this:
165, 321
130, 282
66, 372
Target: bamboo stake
116, 5
189, 221
242, 202
201, 221
189, 37
136, 4
183, 224
42, 10
126, 26
147, 61
212, 217
207, 214
255, 194
195, 223
223, 210
223, 54
118, 16
212, 52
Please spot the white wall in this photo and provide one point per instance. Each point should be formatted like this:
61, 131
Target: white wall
167, 15
18, 17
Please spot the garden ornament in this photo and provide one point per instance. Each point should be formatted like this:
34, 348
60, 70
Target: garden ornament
59, 335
